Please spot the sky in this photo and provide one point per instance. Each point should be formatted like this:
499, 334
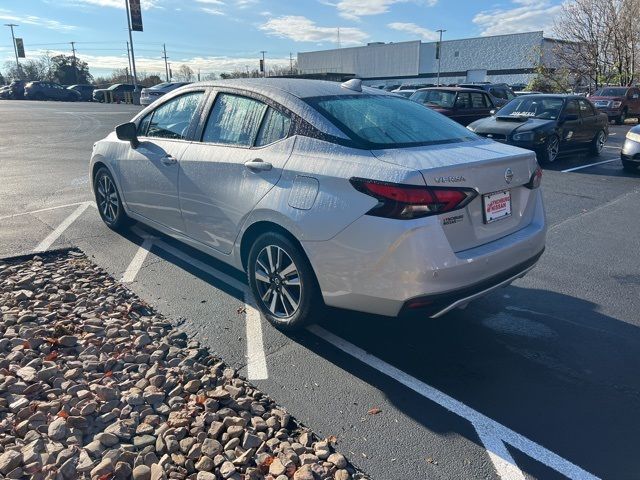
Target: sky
216, 36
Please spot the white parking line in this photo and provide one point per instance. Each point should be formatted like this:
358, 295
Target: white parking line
134, 267
53, 236
492, 434
590, 165
256, 357
47, 209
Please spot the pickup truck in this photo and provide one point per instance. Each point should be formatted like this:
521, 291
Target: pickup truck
619, 103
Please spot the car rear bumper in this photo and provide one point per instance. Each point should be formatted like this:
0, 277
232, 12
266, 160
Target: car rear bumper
380, 266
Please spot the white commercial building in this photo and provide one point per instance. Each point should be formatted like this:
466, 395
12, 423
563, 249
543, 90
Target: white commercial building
510, 59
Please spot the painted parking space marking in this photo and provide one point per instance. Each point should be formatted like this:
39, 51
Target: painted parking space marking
45, 244
47, 209
134, 267
492, 434
590, 165
256, 357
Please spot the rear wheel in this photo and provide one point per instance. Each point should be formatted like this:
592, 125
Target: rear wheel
597, 144
551, 149
108, 200
283, 283
631, 167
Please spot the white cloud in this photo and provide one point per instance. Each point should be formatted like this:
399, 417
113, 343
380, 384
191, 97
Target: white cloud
212, 11
301, 29
211, 2
525, 16
354, 9
7, 15
145, 4
415, 30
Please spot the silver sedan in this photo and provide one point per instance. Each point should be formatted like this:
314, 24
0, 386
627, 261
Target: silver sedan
327, 194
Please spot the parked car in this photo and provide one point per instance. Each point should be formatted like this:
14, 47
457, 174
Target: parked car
13, 91
49, 91
115, 93
406, 92
519, 93
85, 91
464, 105
547, 124
151, 94
400, 210
501, 93
630, 154
5, 92
619, 103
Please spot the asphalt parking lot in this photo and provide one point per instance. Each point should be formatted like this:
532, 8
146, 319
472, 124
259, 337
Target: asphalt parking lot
539, 380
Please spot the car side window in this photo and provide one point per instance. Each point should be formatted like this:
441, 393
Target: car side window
463, 101
572, 108
275, 126
234, 120
498, 93
172, 119
479, 100
586, 110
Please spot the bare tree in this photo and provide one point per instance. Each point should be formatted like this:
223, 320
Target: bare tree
185, 73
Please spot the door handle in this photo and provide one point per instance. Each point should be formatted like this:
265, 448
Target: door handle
258, 165
168, 160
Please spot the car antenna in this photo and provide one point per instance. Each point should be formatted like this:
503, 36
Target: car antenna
354, 84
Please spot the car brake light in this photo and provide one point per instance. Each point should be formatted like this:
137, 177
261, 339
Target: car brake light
406, 202
536, 179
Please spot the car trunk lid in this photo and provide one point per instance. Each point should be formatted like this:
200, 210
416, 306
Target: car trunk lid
485, 166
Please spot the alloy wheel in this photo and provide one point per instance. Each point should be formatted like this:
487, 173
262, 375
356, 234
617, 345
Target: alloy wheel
553, 148
600, 141
278, 281
107, 198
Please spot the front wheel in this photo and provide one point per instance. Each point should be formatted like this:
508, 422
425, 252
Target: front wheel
108, 200
551, 149
283, 283
630, 167
597, 144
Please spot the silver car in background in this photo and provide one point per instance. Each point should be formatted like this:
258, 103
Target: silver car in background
327, 195
151, 94
630, 153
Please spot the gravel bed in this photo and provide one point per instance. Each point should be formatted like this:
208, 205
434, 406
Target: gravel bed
95, 384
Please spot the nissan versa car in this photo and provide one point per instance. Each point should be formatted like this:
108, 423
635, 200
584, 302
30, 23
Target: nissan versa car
327, 194
630, 154
547, 124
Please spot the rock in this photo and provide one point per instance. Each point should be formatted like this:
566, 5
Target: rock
342, 475
277, 468
28, 374
57, 429
205, 463
227, 469
192, 386
105, 467
141, 472
304, 473
338, 460
211, 447
107, 439
142, 441
206, 476
157, 472
9, 460
68, 341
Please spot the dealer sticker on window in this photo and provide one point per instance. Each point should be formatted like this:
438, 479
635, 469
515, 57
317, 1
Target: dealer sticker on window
497, 205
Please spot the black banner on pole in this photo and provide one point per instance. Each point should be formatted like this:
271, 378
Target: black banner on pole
20, 48
136, 15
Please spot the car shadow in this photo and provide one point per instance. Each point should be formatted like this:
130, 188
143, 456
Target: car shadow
549, 366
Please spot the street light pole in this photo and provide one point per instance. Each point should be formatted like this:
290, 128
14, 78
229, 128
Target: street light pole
15, 48
439, 53
133, 58
75, 60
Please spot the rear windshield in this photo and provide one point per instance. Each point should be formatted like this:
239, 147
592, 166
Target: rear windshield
384, 121
537, 106
435, 98
611, 92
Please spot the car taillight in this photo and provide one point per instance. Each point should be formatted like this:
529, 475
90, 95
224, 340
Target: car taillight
406, 202
536, 179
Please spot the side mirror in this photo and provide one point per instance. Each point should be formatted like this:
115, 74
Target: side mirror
128, 132
493, 112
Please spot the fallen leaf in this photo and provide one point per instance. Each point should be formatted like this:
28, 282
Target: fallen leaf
241, 310
374, 411
51, 356
63, 414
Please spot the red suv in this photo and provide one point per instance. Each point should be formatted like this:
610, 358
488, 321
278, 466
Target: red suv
619, 103
464, 105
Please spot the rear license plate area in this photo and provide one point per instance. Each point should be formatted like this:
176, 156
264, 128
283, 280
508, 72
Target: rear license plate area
496, 205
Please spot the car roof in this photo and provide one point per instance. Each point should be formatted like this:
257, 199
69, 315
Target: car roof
452, 89
297, 87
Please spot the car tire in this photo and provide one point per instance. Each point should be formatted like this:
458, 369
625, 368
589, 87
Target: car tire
630, 167
621, 118
283, 283
108, 200
38, 96
597, 144
549, 153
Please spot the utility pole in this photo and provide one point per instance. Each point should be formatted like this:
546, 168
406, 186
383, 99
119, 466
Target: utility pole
75, 60
291, 63
133, 58
439, 53
15, 48
166, 65
264, 64
129, 62
170, 72
339, 45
